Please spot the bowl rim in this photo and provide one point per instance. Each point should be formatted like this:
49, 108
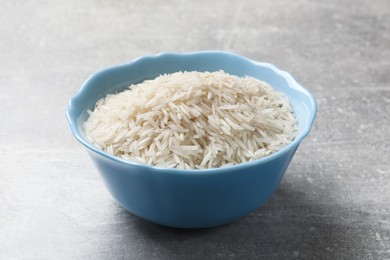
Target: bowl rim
292, 83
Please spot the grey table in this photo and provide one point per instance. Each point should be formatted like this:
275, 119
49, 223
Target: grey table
334, 201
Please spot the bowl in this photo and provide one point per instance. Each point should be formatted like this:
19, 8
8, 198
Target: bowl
190, 198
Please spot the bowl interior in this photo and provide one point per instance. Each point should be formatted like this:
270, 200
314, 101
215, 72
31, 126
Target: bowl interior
117, 78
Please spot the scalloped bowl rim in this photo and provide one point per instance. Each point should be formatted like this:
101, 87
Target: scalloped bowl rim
292, 83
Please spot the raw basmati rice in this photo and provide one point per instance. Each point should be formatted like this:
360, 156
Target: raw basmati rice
193, 120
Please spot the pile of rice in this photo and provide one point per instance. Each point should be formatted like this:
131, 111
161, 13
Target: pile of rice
193, 120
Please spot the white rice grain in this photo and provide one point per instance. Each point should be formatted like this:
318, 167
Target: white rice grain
193, 120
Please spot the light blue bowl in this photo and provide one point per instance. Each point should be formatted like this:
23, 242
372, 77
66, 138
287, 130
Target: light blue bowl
190, 198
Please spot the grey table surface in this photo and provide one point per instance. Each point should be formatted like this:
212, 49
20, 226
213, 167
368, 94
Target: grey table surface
334, 201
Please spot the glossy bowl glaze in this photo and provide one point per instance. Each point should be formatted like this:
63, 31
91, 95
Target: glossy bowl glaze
190, 198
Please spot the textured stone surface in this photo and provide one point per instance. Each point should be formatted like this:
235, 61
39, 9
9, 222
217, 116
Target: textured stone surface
334, 202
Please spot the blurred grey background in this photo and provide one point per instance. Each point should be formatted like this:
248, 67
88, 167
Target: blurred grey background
334, 202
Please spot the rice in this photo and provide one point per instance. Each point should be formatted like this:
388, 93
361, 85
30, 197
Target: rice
193, 120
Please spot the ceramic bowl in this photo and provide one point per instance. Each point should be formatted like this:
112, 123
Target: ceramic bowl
190, 198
